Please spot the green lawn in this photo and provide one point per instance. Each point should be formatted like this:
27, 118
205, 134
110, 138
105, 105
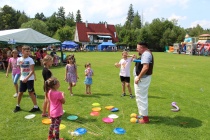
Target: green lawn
181, 78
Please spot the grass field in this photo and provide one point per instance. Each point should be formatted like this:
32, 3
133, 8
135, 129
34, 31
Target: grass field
177, 78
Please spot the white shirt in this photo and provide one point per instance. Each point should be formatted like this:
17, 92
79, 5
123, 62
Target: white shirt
25, 69
125, 67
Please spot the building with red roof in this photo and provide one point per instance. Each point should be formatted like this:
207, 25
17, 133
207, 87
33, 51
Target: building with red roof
92, 33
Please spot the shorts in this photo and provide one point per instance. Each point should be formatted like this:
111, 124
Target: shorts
29, 85
15, 78
125, 79
88, 81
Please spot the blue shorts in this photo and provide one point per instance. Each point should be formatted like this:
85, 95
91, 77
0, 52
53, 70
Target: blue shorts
28, 85
15, 78
88, 81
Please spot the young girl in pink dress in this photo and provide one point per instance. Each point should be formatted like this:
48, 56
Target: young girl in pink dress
71, 74
56, 99
12, 64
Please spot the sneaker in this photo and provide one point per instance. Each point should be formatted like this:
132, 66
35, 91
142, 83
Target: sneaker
131, 96
72, 94
17, 108
34, 109
15, 95
124, 94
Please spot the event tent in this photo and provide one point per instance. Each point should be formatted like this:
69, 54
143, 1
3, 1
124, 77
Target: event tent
105, 45
69, 44
26, 36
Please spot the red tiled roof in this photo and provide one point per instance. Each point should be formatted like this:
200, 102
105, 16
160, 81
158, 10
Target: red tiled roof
95, 29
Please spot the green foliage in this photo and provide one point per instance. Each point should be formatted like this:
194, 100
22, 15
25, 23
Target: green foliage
37, 25
136, 21
78, 16
70, 21
130, 15
61, 19
65, 33
8, 18
40, 17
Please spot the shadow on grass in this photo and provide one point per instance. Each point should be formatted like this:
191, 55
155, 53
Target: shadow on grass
156, 97
179, 121
93, 95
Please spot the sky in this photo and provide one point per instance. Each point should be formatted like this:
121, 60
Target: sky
189, 13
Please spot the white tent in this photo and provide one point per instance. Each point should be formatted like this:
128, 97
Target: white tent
26, 36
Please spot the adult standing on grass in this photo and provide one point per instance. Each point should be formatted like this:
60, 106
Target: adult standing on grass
143, 74
26, 65
125, 64
46, 74
15, 70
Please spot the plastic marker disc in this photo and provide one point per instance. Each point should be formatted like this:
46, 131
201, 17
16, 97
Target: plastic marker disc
30, 116
62, 126
137, 60
94, 113
114, 109
108, 120
113, 116
109, 107
46, 121
72, 117
95, 104
119, 131
80, 131
96, 109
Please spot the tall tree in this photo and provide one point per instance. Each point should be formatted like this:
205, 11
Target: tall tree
53, 24
78, 16
40, 17
61, 16
22, 19
8, 18
130, 14
70, 21
64, 33
136, 21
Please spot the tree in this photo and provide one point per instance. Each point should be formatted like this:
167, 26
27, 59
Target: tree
37, 25
136, 21
78, 16
65, 33
61, 16
40, 17
130, 14
22, 19
53, 24
70, 21
8, 18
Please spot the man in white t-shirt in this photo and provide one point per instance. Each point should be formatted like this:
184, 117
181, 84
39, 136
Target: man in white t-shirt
26, 65
124, 65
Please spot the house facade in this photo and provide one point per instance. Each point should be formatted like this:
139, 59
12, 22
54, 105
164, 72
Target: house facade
93, 34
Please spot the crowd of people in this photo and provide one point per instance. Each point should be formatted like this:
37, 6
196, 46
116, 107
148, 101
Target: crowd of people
23, 70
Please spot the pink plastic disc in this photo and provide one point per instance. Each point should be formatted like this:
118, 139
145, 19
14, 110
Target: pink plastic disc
94, 113
107, 120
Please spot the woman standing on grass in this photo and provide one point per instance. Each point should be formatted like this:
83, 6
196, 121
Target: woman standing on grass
46, 74
12, 64
56, 99
71, 73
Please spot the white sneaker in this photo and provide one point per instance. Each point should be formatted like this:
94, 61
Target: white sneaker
15, 95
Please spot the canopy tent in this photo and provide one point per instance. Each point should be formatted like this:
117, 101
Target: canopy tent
26, 36
105, 45
69, 44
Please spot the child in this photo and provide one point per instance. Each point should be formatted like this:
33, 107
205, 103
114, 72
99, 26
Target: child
46, 74
56, 99
124, 65
26, 65
2, 62
71, 74
88, 78
12, 64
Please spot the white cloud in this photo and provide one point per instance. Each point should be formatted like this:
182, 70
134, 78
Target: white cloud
203, 23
